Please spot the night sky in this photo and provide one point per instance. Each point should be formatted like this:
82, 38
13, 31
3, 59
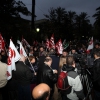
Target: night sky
42, 7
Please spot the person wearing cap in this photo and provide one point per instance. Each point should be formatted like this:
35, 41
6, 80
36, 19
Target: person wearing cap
41, 92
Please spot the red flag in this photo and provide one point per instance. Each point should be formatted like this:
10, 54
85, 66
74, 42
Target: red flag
90, 46
59, 47
12, 58
2, 43
47, 43
52, 44
25, 43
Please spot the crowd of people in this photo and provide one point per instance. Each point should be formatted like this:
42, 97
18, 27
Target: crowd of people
36, 75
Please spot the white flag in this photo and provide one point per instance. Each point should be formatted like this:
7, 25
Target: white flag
13, 57
90, 46
22, 50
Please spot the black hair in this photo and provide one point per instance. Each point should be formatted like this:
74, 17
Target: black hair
30, 50
47, 59
97, 52
65, 50
73, 48
41, 47
43, 96
70, 60
97, 43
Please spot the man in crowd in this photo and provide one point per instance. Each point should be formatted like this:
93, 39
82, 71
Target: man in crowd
64, 53
3, 80
96, 47
22, 76
41, 92
42, 51
47, 75
74, 80
96, 74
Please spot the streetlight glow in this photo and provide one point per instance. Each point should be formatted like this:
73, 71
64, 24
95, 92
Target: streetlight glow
37, 29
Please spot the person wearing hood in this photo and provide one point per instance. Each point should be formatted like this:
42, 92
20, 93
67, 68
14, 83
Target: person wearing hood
73, 80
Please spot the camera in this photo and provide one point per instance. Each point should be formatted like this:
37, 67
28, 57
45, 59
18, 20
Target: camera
81, 59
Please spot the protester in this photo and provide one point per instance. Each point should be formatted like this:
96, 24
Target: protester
42, 51
73, 80
31, 52
36, 52
3, 80
23, 77
96, 47
96, 74
3, 75
62, 61
47, 75
55, 59
64, 53
32, 64
4, 56
41, 92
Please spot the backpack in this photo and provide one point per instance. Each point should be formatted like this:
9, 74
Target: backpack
62, 83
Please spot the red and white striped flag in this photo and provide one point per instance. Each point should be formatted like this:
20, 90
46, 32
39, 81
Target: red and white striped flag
47, 44
22, 50
59, 47
13, 57
25, 43
2, 43
90, 46
52, 43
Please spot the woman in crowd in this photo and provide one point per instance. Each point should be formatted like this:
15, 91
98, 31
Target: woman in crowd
62, 62
32, 63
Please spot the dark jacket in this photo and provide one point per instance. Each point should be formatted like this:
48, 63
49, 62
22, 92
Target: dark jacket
55, 62
33, 67
96, 74
45, 75
73, 78
22, 75
67, 68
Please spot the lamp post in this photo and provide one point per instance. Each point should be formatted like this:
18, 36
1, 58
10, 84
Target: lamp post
33, 14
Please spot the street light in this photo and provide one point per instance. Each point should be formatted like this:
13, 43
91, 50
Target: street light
37, 29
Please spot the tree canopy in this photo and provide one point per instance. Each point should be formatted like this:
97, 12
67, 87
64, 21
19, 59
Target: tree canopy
68, 24
10, 18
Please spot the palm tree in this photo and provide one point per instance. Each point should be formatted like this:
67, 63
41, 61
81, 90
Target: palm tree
97, 17
97, 23
56, 18
70, 23
60, 14
82, 24
52, 15
71, 17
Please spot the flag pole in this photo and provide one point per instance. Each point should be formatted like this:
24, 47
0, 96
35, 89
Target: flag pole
31, 65
25, 54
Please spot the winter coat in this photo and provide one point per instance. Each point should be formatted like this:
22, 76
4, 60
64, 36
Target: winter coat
45, 75
96, 75
3, 75
22, 75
